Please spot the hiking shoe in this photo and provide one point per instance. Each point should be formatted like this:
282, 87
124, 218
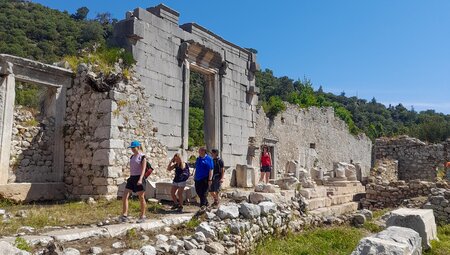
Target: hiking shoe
180, 209
123, 218
141, 220
175, 206
215, 205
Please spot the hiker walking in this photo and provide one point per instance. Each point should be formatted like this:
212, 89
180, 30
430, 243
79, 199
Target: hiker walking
203, 176
138, 164
266, 165
218, 175
179, 181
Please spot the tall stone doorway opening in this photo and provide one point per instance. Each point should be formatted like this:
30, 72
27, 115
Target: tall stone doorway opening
203, 65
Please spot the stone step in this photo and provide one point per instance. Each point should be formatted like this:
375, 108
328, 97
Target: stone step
335, 210
337, 190
329, 201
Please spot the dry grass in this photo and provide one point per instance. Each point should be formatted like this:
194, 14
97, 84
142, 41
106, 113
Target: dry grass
66, 214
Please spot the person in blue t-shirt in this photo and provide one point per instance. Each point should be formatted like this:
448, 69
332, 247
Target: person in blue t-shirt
203, 176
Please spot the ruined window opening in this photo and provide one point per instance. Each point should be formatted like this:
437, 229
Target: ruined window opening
312, 145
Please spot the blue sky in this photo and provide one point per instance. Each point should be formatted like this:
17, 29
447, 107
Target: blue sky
396, 51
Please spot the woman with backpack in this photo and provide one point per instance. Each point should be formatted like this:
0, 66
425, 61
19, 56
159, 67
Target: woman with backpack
135, 183
179, 181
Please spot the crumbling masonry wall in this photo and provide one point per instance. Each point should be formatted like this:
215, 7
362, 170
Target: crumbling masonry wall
416, 159
314, 137
98, 128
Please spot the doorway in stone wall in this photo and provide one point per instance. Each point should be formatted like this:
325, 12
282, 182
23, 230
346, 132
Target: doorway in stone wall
271, 145
203, 106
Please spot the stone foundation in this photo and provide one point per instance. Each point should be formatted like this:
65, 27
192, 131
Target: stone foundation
386, 195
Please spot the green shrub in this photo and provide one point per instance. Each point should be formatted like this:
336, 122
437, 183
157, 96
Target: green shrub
28, 95
274, 106
196, 122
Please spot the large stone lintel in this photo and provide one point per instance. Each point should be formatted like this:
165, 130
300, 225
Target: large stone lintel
35, 72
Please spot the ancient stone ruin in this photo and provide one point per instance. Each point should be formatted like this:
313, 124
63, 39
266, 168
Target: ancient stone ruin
96, 116
77, 148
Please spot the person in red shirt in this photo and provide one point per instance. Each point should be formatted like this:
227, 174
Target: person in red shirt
266, 165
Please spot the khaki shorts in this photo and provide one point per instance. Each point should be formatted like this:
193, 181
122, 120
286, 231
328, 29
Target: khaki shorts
179, 184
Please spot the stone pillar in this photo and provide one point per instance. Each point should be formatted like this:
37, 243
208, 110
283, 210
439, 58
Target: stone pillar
210, 109
58, 149
7, 97
185, 114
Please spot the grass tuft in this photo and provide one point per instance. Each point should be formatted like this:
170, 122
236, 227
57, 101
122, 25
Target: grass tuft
333, 241
22, 244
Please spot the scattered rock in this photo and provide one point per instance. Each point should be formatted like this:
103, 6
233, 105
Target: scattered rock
71, 251
131, 252
367, 213
228, 212
358, 219
197, 252
214, 248
22, 214
95, 250
118, 245
200, 237
238, 196
249, 211
265, 188
189, 245
162, 238
267, 207
26, 229
148, 250
206, 229
8, 249
91, 201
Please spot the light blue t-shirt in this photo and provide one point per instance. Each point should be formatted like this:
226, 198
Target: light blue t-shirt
202, 167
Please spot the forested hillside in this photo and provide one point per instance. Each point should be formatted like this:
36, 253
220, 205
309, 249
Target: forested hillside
33, 31
370, 117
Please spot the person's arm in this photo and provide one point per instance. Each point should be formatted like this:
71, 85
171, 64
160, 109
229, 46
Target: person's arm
211, 171
270, 158
222, 171
144, 164
171, 166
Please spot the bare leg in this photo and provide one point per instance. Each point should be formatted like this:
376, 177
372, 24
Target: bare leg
172, 193
261, 179
180, 195
142, 203
267, 177
126, 194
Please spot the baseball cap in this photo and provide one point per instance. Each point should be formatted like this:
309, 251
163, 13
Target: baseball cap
134, 144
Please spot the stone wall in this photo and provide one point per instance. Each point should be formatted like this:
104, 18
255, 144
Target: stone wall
98, 128
314, 137
31, 147
166, 52
385, 170
416, 159
439, 201
392, 194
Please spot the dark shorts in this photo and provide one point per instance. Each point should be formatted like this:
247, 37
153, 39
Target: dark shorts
132, 184
215, 185
266, 169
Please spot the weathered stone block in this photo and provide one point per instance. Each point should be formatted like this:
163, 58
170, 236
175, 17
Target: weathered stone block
245, 176
394, 240
420, 220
